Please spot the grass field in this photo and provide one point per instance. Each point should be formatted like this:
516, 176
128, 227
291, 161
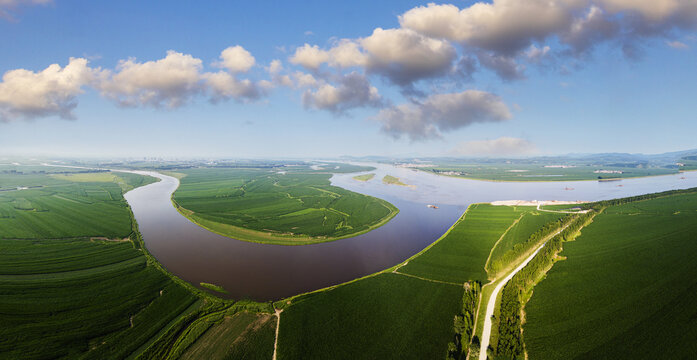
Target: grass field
66, 288
388, 316
289, 208
243, 335
364, 177
626, 289
462, 254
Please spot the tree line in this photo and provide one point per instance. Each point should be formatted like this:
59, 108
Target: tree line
521, 248
463, 324
517, 291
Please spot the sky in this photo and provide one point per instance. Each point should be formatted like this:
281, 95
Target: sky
286, 79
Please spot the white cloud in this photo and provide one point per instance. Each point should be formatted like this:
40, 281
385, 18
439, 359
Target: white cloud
442, 113
309, 56
404, 56
50, 92
347, 53
677, 45
501, 31
353, 91
503, 26
236, 59
503, 146
171, 81
225, 86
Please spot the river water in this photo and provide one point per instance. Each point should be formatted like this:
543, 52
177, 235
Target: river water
270, 272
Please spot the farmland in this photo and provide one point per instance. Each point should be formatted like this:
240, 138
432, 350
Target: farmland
76, 281
288, 208
372, 318
626, 285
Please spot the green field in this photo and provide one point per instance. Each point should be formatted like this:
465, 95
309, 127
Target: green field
243, 335
388, 316
626, 289
77, 282
288, 208
364, 177
462, 254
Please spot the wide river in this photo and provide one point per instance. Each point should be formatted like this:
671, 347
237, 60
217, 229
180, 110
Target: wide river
270, 272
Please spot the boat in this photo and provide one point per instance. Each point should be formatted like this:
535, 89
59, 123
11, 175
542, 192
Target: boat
432, 206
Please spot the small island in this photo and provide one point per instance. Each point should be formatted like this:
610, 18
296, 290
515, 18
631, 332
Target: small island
391, 180
364, 177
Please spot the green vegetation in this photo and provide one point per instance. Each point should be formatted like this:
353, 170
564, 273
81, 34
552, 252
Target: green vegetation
214, 287
385, 316
364, 177
509, 335
463, 325
526, 235
462, 254
627, 285
77, 282
289, 208
391, 180
243, 335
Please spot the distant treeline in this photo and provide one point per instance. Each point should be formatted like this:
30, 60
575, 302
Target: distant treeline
521, 248
515, 294
464, 324
605, 203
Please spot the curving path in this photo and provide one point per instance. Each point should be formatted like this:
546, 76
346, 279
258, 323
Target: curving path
486, 332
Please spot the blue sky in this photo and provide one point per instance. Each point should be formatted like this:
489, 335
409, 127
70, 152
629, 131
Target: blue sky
631, 90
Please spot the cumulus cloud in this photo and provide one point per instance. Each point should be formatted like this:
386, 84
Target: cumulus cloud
352, 91
171, 81
503, 146
225, 86
505, 26
502, 32
309, 56
236, 59
404, 56
25, 94
442, 113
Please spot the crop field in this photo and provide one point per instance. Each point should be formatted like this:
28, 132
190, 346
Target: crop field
99, 299
527, 224
388, 316
241, 336
72, 283
462, 254
626, 288
38, 205
284, 208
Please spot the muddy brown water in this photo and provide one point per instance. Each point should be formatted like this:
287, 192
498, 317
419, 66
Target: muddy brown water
270, 272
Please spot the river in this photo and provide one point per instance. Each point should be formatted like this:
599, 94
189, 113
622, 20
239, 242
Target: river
270, 272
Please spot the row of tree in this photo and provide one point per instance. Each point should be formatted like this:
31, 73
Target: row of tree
515, 294
463, 324
521, 248
605, 203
